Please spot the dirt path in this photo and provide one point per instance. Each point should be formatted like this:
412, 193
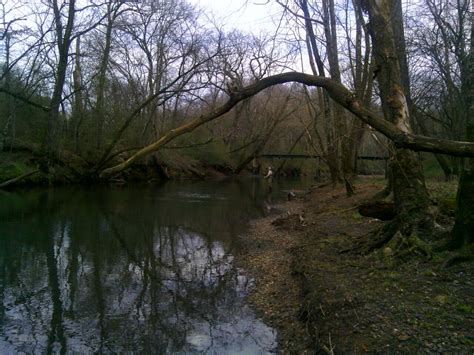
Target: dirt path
321, 297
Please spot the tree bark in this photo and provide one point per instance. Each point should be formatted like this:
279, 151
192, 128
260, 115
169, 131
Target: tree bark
415, 120
409, 189
463, 231
78, 108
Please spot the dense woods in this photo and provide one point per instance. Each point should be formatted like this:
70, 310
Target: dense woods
91, 90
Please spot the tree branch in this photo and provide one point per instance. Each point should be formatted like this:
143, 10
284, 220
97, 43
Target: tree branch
338, 93
25, 99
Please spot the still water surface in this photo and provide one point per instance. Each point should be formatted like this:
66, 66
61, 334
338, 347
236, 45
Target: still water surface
136, 268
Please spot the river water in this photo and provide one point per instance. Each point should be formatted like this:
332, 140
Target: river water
137, 268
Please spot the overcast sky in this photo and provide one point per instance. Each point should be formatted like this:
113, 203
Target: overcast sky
247, 15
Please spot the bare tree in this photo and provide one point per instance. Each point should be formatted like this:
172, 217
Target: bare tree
437, 48
322, 27
163, 58
113, 13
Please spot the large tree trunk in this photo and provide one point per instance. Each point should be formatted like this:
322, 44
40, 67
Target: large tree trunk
410, 193
399, 36
64, 43
463, 231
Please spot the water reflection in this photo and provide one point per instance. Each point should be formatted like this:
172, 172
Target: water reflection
145, 269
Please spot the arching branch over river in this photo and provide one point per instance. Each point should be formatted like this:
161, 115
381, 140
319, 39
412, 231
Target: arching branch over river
337, 92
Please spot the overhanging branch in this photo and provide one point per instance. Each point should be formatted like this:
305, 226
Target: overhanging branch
338, 93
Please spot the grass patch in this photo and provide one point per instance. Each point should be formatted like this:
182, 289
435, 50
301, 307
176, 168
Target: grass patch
357, 216
465, 308
431, 167
444, 195
442, 189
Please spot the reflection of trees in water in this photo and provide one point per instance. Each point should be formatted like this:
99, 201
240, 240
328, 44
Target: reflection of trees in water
105, 280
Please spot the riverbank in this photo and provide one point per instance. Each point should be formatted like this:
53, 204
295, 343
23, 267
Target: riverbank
24, 169
323, 296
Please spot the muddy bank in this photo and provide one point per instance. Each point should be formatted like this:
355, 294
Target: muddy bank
325, 297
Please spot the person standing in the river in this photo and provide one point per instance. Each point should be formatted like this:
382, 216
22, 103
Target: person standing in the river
269, 178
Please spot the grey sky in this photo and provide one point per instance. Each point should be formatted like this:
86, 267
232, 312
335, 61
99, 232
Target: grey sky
247, 15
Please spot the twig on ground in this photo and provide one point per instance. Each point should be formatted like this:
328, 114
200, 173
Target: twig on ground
329, 350
321, 308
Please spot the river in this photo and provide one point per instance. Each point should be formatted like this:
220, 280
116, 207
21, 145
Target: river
138, 268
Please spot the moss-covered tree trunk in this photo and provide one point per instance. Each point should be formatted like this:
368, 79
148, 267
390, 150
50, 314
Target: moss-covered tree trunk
410, 193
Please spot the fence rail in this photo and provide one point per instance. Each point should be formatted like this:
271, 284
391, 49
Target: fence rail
306, 156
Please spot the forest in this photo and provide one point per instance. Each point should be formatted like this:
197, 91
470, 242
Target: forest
90, 89
112, 91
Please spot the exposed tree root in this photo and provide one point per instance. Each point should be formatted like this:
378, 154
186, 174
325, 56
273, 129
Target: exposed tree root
401, 246
381, 237
372, 241
393, 242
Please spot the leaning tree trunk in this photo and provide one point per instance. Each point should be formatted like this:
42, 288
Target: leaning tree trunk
410, 193
463, 231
